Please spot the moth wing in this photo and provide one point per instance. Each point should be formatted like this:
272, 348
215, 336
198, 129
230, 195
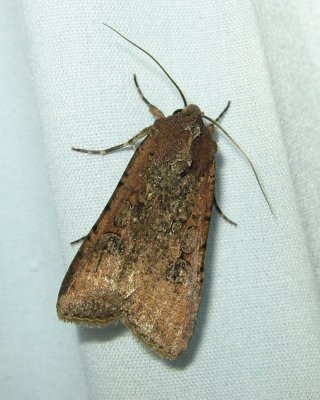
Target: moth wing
163, 308
143, 259
89, 293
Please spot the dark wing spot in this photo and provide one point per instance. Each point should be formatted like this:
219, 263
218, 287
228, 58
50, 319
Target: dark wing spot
177, 272
111, 243
123, 217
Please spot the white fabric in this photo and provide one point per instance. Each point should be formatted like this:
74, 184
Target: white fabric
258, 330
38, 358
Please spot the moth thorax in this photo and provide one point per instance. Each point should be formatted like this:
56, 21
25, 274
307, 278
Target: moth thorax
191, 109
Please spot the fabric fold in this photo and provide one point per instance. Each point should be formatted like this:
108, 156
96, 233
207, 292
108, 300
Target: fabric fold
258, 330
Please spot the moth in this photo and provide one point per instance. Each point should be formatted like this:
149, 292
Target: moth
143, 260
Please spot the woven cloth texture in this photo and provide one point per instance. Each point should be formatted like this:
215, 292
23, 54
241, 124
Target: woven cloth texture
258, 331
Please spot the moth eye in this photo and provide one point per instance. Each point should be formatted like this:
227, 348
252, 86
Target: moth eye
177, 111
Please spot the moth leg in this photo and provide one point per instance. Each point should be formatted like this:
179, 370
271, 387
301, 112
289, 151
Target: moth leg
211, 127
222, 114
132, 142
153, 109
78, 240
220, 212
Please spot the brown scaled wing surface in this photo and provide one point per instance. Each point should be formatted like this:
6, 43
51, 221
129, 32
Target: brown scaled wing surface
142, 262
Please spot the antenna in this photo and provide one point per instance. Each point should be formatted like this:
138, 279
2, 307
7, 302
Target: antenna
154, 59
214, 122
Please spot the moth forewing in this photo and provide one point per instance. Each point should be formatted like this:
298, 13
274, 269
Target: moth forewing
142, 261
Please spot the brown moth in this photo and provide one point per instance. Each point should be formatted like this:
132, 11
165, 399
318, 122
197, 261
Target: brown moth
142, 261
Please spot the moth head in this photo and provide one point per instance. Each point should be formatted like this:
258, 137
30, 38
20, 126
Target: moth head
189, 109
